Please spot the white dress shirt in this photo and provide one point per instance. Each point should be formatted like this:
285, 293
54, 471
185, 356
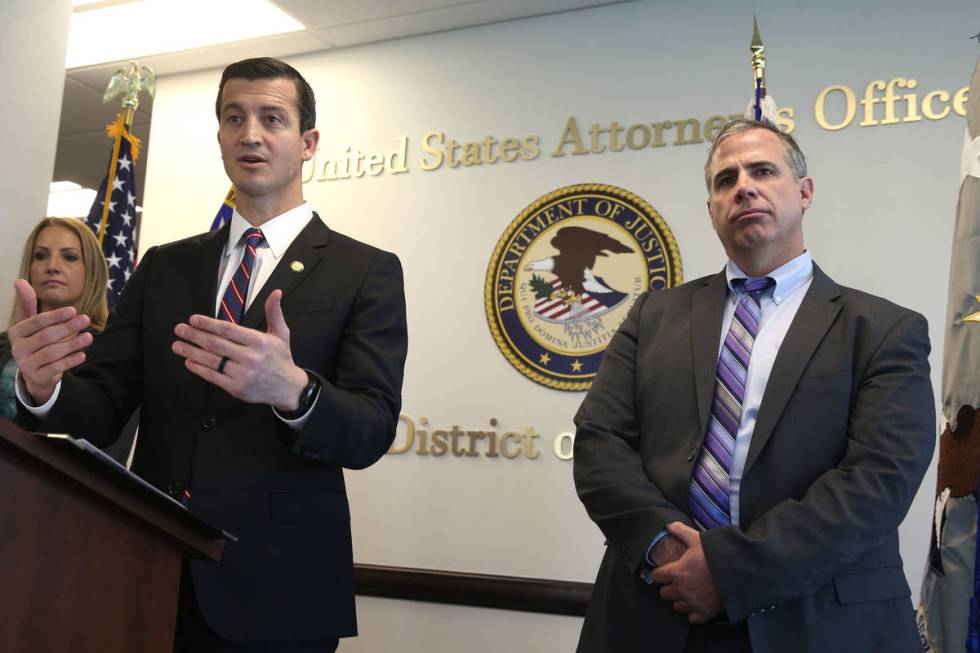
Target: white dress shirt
279, 234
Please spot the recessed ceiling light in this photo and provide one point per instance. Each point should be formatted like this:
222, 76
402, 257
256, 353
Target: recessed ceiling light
96, 4
126, 30
58, 186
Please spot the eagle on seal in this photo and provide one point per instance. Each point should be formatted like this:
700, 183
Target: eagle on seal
578, 249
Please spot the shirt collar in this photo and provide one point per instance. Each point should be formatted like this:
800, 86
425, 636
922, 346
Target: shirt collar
279, 232
788, 277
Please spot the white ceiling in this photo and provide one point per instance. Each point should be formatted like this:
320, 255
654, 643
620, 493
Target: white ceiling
82, 145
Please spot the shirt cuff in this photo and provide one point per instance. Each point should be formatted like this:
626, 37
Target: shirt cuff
648, 564
24, 397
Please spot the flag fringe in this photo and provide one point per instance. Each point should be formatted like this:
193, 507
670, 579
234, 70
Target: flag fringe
118, 129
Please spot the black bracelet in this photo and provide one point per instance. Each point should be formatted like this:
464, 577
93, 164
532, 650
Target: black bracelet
306, 397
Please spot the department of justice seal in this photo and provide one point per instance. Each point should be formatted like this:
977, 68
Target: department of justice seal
566, 272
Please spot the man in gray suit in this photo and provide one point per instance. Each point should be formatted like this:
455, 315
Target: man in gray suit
753, 440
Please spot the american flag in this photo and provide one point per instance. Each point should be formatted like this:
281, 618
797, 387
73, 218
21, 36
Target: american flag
116, 226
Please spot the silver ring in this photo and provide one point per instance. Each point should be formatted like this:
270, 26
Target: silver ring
221, 365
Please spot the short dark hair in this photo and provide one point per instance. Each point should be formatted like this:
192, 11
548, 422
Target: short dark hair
269, 68
794, 155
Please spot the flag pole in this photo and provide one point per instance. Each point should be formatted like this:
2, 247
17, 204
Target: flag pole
108, 187
128, 82
758, 67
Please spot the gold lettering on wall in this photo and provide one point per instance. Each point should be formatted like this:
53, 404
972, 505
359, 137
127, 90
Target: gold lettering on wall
455, 442
882, 102
850, 105
563, 447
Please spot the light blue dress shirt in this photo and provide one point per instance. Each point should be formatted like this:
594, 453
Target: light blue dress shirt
779, 305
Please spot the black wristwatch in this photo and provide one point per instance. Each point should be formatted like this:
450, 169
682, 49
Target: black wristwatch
306, 397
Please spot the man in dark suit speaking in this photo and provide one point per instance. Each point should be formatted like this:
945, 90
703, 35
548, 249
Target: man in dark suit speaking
265, 357
753, 440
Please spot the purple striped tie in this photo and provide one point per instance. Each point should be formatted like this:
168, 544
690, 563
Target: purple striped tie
709, 485
233, 301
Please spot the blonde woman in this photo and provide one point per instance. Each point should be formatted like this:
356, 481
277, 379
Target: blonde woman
64, 264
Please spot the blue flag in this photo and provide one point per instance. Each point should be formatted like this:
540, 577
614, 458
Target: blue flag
115, 225
225, 210
761, 107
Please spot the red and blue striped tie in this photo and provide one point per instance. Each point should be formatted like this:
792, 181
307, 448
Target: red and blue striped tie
710, 501
233, 301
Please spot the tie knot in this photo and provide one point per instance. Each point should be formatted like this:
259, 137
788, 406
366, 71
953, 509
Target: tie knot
757, 285
253, 236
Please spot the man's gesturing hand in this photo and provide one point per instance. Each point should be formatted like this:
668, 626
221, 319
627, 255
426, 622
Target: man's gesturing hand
45, 345
259, 369
687, 582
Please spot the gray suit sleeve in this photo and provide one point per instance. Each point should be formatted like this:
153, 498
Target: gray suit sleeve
609, 474
798, 546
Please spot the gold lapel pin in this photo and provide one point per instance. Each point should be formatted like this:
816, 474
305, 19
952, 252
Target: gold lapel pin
296, 266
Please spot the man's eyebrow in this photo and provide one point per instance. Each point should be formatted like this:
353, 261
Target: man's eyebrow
752, 165
265, 108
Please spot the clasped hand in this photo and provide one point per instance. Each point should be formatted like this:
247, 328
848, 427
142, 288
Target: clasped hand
686, 579
259, 369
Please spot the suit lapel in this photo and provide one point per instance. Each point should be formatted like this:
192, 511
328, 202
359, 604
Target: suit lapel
203, 273
706, 313
307, 249
809, 326
204, 277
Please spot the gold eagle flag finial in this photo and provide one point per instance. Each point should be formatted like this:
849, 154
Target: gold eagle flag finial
129, 81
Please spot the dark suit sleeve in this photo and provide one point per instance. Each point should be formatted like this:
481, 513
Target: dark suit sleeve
609, 474
98, 398
799, 545
354, 419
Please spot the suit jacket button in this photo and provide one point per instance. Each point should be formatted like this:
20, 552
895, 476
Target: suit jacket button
175, 488
692, 454
208, 422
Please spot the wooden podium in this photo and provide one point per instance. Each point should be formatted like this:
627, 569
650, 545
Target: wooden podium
90, 558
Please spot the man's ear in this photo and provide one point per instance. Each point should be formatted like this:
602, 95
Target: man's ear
311, 138
711, 218
806, 191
